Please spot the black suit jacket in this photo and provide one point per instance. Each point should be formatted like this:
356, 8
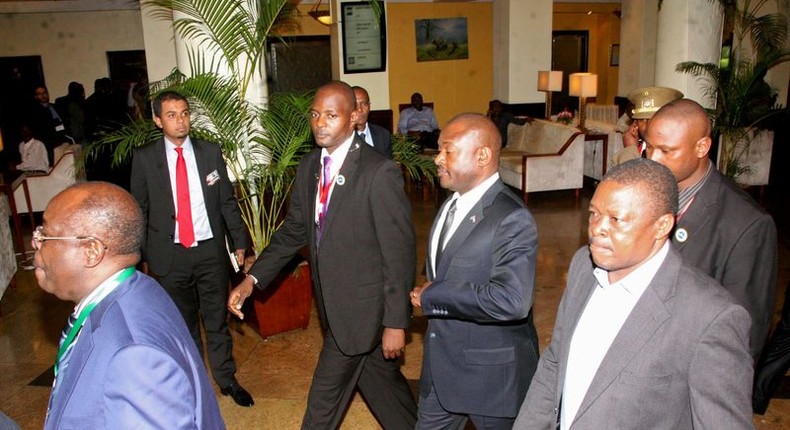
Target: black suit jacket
382, 140
150, 185
364, 268
481, 347
734, 241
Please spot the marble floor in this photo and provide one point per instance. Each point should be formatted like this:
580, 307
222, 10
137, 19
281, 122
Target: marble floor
277, 370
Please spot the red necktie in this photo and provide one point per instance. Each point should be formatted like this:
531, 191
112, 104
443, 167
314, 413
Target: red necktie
186, 233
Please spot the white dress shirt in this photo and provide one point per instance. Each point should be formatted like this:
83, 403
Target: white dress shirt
338, 156
368, 136
600, 322
464, 203
412, 119
200, 222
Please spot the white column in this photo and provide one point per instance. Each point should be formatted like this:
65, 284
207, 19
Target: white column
688, 30
160, 50
522, 47
638, 28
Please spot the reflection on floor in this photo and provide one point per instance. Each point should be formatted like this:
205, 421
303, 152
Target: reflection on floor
277, 370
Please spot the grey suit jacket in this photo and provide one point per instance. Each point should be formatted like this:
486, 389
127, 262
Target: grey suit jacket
481, 347
681, 360
733, 240
150, 185
364, 268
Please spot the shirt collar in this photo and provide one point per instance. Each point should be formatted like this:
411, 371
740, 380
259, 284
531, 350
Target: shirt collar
338, 156
99, 293
468, 199
187, 145
637, 281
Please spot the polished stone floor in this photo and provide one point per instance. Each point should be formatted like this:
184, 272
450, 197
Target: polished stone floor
277, 370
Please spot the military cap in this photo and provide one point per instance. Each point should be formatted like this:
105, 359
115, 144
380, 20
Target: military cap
648, 100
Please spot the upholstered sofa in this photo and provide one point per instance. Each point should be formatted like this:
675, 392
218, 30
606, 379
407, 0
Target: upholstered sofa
43, 187
542, 156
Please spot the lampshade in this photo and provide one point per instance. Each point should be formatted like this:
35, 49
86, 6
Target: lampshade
583, 85
321, 15
550, 80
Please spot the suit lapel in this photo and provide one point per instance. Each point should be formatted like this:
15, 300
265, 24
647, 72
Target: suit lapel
647, 316
343, 187
698, 213
468, 224
163, 170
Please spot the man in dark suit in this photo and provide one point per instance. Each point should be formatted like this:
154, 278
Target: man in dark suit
376, 136
349, 208
641, 339
188, 205
46, 123
720, 229
481, 347
126, 359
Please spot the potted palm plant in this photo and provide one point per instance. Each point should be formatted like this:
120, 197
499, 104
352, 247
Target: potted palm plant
745, 104
262, 143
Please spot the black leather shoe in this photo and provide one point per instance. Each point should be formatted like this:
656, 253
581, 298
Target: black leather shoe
239, 394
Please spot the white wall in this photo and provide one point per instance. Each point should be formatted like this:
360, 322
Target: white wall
73, 45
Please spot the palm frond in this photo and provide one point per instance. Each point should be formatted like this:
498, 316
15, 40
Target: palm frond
409, 155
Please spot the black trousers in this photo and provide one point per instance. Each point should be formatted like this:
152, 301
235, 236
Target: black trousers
774, 361
380, 381
198, 283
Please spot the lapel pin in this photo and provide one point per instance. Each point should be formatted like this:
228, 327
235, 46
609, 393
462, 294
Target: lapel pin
473, 218
681, 235
340, 180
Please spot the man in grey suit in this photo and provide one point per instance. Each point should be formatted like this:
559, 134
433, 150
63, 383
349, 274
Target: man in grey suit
376, 136
349, 208
720, 229
641, 340
188, 206
481, 347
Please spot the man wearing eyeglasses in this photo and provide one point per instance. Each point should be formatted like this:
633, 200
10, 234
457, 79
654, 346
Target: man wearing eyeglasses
125, 358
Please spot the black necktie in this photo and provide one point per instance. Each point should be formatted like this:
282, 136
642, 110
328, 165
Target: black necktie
448, 221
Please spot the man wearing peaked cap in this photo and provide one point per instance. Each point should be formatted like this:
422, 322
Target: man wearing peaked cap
646, 102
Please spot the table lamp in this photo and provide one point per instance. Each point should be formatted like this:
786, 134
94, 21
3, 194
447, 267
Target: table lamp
582, 85
549, 81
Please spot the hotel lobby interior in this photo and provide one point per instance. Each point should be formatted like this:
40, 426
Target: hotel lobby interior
277, 369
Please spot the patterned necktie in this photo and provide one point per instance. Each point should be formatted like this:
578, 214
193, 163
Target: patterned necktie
186, 232
323, 194
448, 221
64, 359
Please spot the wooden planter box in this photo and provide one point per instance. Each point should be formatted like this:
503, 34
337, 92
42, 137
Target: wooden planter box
284, 305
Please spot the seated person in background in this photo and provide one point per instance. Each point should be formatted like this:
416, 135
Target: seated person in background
33, 152
419, 121
501, 118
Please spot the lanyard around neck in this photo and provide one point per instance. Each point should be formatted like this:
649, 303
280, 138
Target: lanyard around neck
125, 274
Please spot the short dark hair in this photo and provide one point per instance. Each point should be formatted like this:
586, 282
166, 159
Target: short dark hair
657, 180
166, 95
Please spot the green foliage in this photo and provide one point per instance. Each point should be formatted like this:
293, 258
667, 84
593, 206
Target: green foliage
409, 155
262, 143
744, 101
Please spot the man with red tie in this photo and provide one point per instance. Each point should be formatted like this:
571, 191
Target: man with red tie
187, 200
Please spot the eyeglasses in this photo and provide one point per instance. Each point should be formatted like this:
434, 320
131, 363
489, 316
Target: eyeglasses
39, 238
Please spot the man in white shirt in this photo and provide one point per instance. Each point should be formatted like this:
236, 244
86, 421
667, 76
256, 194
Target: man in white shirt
374, 135
641, 340
419, 121
33, 152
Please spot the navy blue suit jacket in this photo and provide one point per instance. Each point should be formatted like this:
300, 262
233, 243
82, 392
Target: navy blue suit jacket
134, 365
481, 347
